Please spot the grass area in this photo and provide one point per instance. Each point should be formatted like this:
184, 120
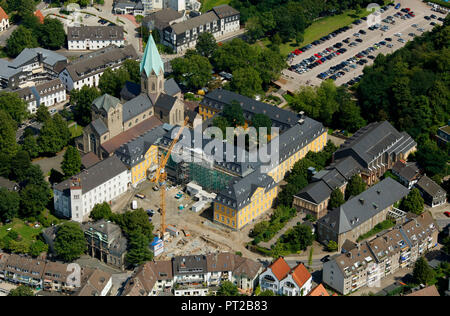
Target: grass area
318, 29
28, 233
76, 130
209, 4
377, 229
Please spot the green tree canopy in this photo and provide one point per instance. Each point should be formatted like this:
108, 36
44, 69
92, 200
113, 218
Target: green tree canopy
12, 104
138, 252
20, 39
37, 248
355, 186
34, 199
70, 242
8, 127
71, 163
193, 70
413, 202
246, 81
82, 99
206, 44
422, 273
21, 290
52, 34
42, 114
227, 288
336, 199
234, 114
262, 121
9, 204
101, 211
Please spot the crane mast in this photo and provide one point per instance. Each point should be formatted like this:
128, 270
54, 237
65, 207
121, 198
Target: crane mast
161, 176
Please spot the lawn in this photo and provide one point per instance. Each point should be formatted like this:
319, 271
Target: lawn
209, 4
26, 232
318, 29
76, 130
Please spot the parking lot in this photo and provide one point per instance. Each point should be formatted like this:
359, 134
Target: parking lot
344, 54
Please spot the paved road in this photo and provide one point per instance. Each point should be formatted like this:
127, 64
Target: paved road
295, 81
6, 34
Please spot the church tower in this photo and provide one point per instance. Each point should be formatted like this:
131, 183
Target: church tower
152, 70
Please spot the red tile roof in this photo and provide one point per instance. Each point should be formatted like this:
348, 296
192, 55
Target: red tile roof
40, 16
428, 291
280, 268
111, 145
89, 160
300, 275
319, 291
3, 14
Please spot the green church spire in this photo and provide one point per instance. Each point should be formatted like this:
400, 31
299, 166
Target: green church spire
151, 61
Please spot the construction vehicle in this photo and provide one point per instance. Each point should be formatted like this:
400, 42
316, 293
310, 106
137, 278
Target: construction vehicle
161, 177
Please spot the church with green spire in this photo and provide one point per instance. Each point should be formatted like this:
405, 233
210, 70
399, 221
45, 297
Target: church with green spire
140, 108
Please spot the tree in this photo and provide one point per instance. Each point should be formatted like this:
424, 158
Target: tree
52, 34
355, 186
138, 252
37, 248
71, 163
82, 99
266, 293
193, 70
70, 242
42, 114
246, 81
12, 104
262, 121
9, 204
336, 199
133, 69
332, 246
206, 44
222, 123
31, 146
135, 221
227, 288
8, 127
20, 39
101, 211
413, 202
21, 290
34, 199
54, 135
422, 273
299, 38
234, 114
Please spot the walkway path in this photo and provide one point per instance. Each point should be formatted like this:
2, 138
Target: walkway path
289, 225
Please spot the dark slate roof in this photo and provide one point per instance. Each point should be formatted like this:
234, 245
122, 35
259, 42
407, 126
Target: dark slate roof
374, 139
97, 33
364, 206
224, 11
189, 265
406, 171
96, 175
136, 106
165, 103
315, 192
99, 126
430, 187
134, 151
218, 98
49, 57
130, 90
162, 18
89, 160
182, 27
171, 87
239, 192
347, 167
106, 102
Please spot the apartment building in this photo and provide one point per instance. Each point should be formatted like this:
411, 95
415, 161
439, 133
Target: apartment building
282, 280
74, 198
196, 275
139, 7
368, 263
408, 173
87, 70
376, 147
94, 37
360, 214
4, 20
219, 21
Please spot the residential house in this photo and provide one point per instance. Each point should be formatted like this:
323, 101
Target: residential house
433, 194
94, 37
368, 263
95, 283
75, 197
319, 291
426, 291
443, 134
281, 279
4, 20
407, 173
159, 20
87, 70
376, 147
360, 214
9, 185
219, 21
48, 94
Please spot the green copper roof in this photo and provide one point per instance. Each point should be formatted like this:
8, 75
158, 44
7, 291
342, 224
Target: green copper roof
106, 101
151, 61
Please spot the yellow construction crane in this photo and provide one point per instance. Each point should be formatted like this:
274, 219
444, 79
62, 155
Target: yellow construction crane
161, 177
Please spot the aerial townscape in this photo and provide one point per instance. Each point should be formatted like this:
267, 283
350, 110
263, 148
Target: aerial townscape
197, 148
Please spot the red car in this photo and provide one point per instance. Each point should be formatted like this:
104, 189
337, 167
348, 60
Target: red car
408, 9
447, 214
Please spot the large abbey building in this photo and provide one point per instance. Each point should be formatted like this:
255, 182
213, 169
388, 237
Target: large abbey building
140, 109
